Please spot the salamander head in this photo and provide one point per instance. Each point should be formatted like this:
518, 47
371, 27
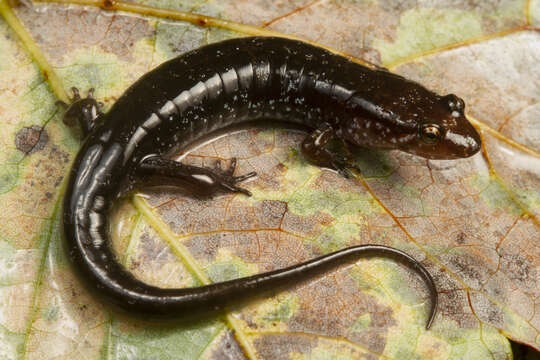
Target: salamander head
445, 132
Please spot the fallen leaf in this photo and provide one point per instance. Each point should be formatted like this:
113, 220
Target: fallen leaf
474, 223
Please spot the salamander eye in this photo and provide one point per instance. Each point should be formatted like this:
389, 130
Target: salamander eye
430, 133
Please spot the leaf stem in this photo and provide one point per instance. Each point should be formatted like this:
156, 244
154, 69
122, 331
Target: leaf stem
28, 42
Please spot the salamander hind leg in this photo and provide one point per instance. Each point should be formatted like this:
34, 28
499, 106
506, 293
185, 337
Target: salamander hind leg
82, 111
315, 148
202, 180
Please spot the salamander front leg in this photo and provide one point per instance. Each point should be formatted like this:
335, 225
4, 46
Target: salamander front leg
205, 181
315, 149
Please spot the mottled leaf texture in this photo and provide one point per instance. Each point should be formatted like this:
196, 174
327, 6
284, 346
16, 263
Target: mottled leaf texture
473, 223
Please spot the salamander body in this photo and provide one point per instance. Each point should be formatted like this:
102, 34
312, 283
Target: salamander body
223, 84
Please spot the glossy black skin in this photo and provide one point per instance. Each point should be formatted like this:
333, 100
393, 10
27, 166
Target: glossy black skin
273, 78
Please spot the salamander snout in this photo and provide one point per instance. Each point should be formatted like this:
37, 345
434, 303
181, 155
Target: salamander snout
460, 138
462, 142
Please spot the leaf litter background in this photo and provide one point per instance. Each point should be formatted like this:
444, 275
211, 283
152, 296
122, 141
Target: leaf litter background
473, 223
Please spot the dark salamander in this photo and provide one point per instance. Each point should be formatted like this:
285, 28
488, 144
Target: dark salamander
231, 82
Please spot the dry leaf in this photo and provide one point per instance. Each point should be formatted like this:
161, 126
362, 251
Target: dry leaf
474, 223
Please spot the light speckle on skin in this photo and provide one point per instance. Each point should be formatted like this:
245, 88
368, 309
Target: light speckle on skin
461, 140
204, 178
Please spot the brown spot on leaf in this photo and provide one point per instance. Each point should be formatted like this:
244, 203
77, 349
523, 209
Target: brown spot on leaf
31, 139
471, 266
108, 4
451, 306
519, 269
271, 213
330, 306
279, 346
460, 238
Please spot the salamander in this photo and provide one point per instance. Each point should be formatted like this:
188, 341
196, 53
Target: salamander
253, 79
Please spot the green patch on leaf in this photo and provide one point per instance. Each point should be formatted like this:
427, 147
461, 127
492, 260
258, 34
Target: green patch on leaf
337, 236
412, 195
534, 10
9, 176
208, 8
163, 343
395, 284
70, 137
10, 344
473, 348
223, 272
493, 194
368, 283
284, 311
228, 267
40, 102
307, 201
402, 344
530, 197
382, 279
7, 262
493, 341
514, 322
93, 68
362, 323
173, 39
424, 29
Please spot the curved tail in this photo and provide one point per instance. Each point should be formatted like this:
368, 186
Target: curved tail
88, 247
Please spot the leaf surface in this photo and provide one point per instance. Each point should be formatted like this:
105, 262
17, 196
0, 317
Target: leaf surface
474, 223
